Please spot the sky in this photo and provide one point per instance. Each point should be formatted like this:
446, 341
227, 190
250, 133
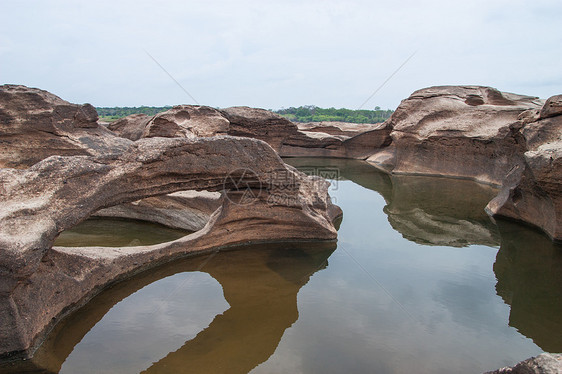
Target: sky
277, 54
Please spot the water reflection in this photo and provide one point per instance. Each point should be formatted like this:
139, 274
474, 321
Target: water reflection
449, 212
528, 268
259, 283
425, 210
115, 232
348, 323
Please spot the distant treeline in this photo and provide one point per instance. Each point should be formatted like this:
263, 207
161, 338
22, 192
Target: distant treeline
311, 113
119, 112
307, 113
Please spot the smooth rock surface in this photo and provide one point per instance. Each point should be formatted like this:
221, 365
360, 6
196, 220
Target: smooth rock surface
36, 124
457, 131
532, 190
260, 199
186, 210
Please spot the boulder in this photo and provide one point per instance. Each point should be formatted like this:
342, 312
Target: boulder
456, 131
37, 124
259, 124
130, 127
552, 107
337, 141
186, 121
545, 363
39, 282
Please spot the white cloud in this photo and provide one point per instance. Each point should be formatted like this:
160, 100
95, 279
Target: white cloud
273, 54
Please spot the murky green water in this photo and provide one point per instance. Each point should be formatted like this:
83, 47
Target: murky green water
114, 232
421, 281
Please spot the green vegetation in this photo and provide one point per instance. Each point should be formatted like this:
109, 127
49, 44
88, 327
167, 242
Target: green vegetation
307, 113
311, 113
112, 114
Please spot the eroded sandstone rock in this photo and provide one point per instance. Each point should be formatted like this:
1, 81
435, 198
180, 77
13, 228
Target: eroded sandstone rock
37, 124
261, 199
532, 190
330, 139
455, 131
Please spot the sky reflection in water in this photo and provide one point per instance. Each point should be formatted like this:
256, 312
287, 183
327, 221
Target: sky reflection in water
411, 287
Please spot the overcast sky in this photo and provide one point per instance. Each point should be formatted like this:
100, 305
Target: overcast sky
274, 54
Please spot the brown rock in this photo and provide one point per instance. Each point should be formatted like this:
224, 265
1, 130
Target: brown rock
130, 127
337, 141
259, 124
39, 282
261, 200
545, 363
187, 210
552, 107
532, 190
455, 131
37, 124
329, 139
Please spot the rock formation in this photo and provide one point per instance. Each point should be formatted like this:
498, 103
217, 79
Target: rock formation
455, 131
532, 190
182, 121
545, 363
483, 134
332, 139
187, 210
263, 199
36, 124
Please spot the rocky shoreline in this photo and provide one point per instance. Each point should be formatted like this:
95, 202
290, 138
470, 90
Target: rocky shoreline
218, 173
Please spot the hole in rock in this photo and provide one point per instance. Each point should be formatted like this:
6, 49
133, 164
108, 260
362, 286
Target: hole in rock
144, 222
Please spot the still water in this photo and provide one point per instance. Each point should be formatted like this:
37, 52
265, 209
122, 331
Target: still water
420, 281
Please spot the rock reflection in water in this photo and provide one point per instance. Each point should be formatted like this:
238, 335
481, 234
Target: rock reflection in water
528, 268
260, 283
425, 210
450, 212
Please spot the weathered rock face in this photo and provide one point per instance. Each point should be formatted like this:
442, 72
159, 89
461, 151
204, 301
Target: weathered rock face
489, 136
532, 190
187, 210
130, 127
52, 127
262, 200
182, 121
331, 139
337, 140
455, 131
545, 363
259, 124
